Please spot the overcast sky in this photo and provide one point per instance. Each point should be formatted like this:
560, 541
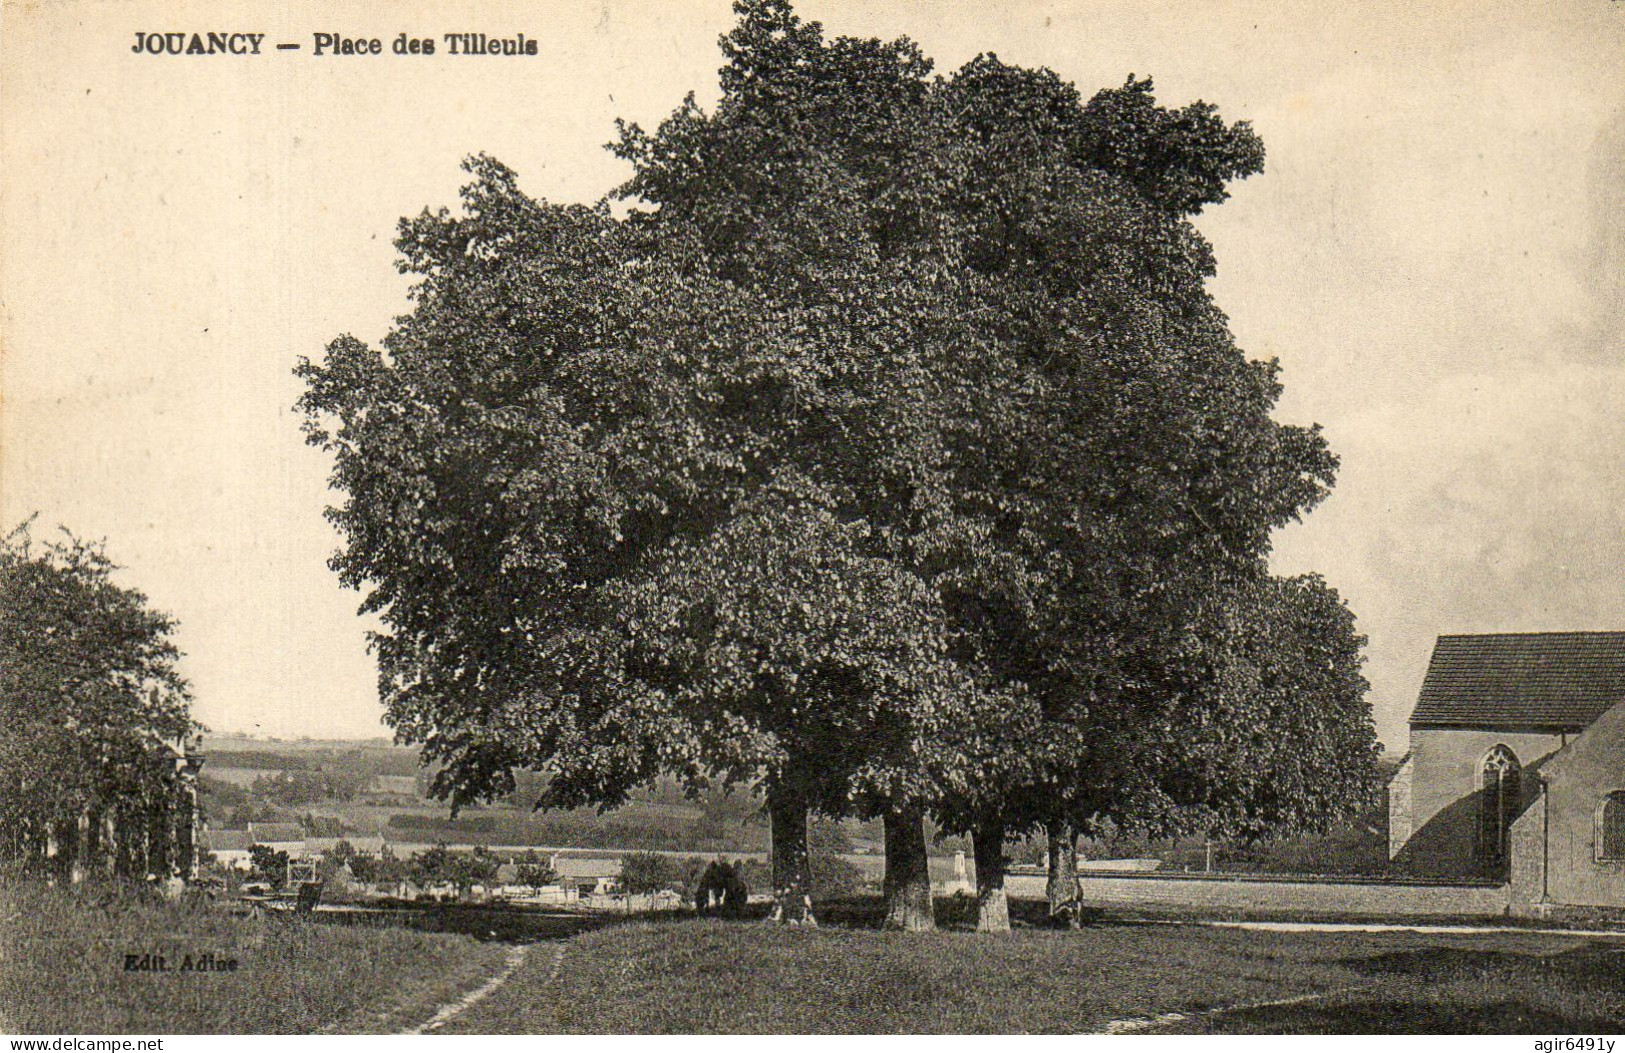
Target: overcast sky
1433, 253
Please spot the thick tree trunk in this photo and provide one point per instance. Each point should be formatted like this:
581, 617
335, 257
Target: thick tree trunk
1062, 888
992, 906
792, 876
908, 876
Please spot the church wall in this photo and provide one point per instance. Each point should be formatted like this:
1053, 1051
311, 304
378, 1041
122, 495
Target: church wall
1593, 766
1399, 807
1527, 866
1443, 785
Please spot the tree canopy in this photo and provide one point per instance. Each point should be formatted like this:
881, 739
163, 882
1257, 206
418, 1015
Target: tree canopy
890, 450
89, 690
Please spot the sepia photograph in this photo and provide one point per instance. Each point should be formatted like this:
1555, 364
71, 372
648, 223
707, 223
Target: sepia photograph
812, 517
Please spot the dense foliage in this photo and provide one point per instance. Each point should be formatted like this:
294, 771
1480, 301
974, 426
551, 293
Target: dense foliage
90, 696
890, 452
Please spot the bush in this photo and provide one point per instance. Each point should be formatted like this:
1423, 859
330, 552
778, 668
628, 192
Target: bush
269, 865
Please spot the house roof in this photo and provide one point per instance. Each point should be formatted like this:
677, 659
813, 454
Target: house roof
1522, 680
227, 841
360, 842
1593, 760
586, 867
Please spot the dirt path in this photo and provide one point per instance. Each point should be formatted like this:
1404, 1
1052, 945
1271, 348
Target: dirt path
1421, 927
516, 958
1137, 1024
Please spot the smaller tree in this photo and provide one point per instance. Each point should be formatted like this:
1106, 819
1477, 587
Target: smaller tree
364, 867
536, 875
467, 869
89, 697
643, 872
390, 869
269, 865
344, 851
431, 866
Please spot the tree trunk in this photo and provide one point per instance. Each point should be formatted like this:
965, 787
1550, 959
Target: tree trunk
81, 848
908, 875
94, 846
992, 907
132, 843
53, 852
112, 841
159, 856
792, 876
1062, 888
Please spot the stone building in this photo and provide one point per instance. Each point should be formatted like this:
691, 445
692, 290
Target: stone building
1516, 767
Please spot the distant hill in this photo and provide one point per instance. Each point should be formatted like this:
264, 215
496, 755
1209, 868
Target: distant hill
369, 757
270, 781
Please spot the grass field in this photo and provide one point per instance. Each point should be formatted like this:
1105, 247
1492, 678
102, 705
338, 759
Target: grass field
63, 954
703, 976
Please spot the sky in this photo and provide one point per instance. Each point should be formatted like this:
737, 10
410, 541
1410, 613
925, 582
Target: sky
1433, 253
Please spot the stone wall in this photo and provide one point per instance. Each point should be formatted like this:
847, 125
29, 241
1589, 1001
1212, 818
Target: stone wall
1527, 868
1577, 780
1258, 894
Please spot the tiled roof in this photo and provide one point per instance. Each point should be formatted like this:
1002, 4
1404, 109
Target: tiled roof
1509, 680
586, 867
361, 843
227, 841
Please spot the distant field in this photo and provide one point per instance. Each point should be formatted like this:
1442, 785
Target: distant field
663, 818
237, 776
62, 969
706, 976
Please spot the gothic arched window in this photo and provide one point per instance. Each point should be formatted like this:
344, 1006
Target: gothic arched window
1502, 797
1611, 823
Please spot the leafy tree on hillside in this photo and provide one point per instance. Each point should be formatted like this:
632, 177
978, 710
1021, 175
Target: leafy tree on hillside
364, 866
89, 693
431, 866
